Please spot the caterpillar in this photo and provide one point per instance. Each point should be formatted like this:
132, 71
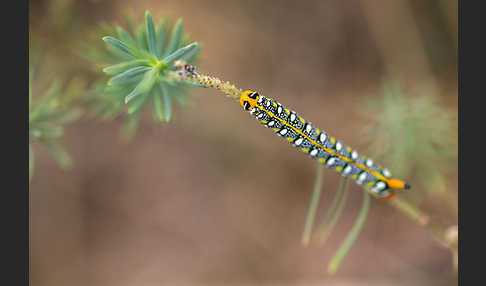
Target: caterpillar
319, 145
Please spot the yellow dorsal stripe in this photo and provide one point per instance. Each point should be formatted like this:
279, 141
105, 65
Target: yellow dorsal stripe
346, 159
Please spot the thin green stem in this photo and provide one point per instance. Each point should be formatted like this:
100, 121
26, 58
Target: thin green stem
335, 211
352, 235
409, 210
423, 220
314, 202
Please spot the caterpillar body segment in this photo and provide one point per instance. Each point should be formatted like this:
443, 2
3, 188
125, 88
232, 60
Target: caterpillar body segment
320, 146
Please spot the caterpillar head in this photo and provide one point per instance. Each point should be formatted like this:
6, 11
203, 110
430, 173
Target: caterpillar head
248, 99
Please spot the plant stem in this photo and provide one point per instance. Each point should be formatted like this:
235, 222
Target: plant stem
314, 202
335, 210
210, 82
352, 235
423, 220
410, 211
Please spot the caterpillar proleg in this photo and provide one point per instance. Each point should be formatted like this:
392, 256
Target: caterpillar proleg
320, 146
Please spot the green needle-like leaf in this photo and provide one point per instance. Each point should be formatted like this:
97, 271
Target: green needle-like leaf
160, 44
61, 156
175, 38
334, 211
45, 103
142, 38
136, 91
193, 54
166, 102
150, 79
49, 131
129, 74
131, 124
125, 37
150, 31
130, 22
119, 45
145, 85
65, 116
137, 103
119, 68
314, 202
158, 108
179, 53
352, 235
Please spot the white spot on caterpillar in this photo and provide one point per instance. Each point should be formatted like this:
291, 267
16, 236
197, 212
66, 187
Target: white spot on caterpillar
279, 109
268, 103
362, 177
322, 137
254, 110
299, 141
260, 116
379, 187
260, 100
386, 173
293, 117
313, 152
283, 131
339, 146
354, 155
347, 170
369, 162
271, 123
331, 161
308, 128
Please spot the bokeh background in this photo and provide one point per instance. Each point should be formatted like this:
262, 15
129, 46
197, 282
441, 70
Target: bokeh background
213, 198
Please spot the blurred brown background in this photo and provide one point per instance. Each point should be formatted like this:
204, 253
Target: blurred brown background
213, 198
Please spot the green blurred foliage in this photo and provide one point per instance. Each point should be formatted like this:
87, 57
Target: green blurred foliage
56, 106
415, 136
55, 29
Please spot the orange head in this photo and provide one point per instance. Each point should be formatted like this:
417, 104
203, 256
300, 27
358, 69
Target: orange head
398, 184
248, 99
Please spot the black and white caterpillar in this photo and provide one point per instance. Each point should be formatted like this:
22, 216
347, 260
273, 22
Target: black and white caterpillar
320, 146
